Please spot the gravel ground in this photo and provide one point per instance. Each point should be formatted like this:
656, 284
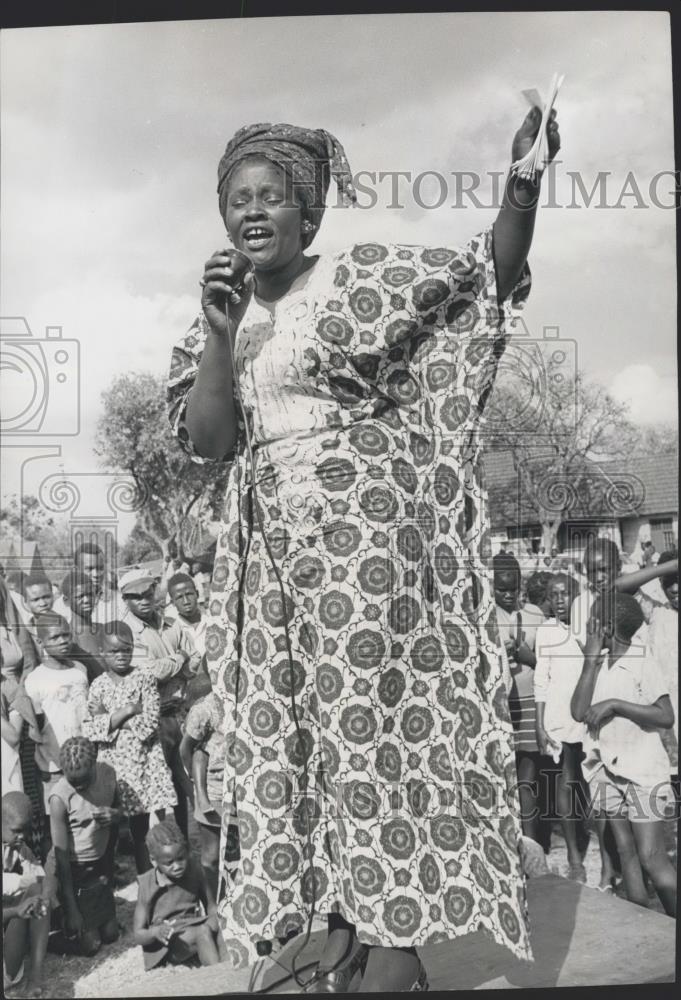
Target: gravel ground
117, 967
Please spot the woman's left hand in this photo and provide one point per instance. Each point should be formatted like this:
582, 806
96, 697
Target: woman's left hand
527, 133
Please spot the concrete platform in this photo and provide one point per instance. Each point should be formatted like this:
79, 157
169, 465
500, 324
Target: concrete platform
580, 937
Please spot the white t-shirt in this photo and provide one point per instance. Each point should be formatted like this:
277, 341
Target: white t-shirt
559, 667
663, 637
624, 747
61, 694
193, 634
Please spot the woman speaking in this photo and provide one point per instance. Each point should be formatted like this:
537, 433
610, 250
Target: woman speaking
352, 632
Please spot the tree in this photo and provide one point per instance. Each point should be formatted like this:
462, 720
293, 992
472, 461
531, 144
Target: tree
177, 497
25, 519
139, 547
654, 439
558, 428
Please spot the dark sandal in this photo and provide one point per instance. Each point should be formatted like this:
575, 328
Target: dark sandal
338, 980
421, 984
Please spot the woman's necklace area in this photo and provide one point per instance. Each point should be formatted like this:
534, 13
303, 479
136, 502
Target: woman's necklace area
299, 282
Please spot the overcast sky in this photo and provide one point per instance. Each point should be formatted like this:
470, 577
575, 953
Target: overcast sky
112, 134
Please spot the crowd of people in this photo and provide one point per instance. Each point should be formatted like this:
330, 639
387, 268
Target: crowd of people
593, 688
108, 719
354, 669
109, 731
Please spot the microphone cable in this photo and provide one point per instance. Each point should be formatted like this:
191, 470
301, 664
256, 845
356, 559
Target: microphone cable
289, 651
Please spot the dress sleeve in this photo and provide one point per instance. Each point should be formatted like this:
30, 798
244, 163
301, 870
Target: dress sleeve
96, 727
457, 287
445, 329
473, 302
184, 367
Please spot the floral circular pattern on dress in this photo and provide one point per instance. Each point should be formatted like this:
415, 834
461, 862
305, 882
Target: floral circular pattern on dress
369, 388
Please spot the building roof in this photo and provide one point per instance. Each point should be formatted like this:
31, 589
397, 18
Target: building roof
657, 486
659, 475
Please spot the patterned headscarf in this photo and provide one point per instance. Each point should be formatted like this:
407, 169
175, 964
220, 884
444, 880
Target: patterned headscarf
310, 158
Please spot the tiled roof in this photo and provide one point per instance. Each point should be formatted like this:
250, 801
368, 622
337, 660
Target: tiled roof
658, 476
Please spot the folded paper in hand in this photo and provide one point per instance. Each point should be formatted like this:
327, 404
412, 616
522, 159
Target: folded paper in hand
537, 158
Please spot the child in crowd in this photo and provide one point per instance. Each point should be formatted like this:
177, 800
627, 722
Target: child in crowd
58, 688
663, 647
535, 591
623, 700
80, 598
38, 598
84, 810
603, 569
185, 601
602, 565
559, 667
192, 622
517, 628
28, 895
203, 752
122, 718
176, 916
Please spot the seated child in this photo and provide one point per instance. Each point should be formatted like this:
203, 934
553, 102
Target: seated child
58, 689
83, 814
122, 718
176, 916
28, 895
203, 755
623, 699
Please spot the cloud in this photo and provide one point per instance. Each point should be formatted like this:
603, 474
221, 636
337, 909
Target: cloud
110, 156
652, 397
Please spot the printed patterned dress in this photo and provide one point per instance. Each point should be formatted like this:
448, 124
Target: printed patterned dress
144, 779
364, 393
